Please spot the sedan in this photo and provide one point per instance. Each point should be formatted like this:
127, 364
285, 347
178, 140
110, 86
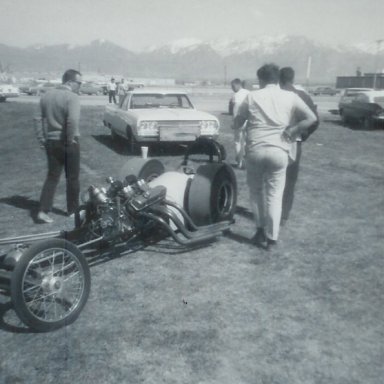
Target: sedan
91, 89
365, 107
326, 91
148, 116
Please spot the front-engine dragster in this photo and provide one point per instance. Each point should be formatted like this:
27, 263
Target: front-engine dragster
47, 275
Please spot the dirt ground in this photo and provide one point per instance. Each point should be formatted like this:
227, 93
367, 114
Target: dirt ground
310, 312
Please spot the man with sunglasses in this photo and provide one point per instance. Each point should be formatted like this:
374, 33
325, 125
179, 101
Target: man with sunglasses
57, 128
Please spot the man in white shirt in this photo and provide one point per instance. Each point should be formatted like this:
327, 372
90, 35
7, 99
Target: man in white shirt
112, 86
239, 95
275, 118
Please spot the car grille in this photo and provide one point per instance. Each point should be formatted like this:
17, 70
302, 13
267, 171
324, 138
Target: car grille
179, 124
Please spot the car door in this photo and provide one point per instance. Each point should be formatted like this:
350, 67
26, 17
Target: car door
351, 107
121, 120
361, 106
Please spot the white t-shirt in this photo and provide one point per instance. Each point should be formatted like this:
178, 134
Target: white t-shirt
112, 86
269, 112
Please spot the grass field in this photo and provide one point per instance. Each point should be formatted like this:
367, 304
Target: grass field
310, 312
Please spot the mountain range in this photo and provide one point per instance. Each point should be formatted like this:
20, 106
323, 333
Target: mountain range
191, 59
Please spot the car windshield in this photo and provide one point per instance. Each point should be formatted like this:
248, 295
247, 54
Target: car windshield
158, 100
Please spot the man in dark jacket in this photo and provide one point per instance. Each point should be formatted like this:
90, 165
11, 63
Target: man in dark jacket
287, 76
57, 128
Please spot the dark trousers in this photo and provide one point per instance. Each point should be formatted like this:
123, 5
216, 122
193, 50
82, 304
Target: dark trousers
290, 183
61, 156
112, 96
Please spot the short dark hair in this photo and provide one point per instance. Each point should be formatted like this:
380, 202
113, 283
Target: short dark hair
268, 73
287, 75
236, 81
70, 75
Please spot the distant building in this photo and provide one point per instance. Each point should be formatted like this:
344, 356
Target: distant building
365, 81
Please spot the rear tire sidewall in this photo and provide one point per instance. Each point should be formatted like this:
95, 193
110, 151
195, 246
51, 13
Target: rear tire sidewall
17, 285
212, 194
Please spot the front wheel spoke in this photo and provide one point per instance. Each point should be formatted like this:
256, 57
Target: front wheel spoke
74, 274
31, 288
40, 298
61, 271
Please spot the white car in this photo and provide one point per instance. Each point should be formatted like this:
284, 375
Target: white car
148, 116
7, 90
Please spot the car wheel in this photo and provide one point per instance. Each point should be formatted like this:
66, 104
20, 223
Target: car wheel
212, 194
132, 143
115, 137
344, 119
367, 123
50, 285
2, 99
146, 169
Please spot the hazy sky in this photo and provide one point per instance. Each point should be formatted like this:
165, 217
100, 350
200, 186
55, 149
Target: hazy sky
136, 24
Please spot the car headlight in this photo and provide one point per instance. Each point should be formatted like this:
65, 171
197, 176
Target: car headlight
148, 128
209, 127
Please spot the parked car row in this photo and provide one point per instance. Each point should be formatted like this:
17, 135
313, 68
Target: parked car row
324, 91
37, 88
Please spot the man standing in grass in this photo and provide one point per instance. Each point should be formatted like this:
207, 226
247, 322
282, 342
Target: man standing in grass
287, 77
275, 118
57, 127
112, 87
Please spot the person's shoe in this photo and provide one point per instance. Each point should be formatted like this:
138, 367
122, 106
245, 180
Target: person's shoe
44, 218
271, 244
241, 164
259, 239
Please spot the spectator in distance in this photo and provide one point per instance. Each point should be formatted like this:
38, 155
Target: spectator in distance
57, 128
239, 95
112, 87
274, 119
121, 91
287, 77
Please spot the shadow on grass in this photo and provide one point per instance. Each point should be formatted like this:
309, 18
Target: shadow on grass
122, 147
245, 212
27, 204
238, 237
8, 326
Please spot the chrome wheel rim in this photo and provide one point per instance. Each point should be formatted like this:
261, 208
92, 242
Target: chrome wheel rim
224, 201
53, 284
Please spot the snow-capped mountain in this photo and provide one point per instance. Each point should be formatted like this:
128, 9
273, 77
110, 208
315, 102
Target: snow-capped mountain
191, 58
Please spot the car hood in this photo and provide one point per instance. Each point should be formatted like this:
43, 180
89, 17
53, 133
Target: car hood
170, 114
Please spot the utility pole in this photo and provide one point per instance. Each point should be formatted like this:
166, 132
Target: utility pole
309, 63
378, 42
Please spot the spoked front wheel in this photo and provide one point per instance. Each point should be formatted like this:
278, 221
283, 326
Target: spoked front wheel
50, 285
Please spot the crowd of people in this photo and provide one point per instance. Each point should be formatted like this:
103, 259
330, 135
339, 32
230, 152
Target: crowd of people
120, 89
269, 126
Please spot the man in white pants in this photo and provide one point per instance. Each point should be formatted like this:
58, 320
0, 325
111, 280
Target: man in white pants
275, 118
239, 95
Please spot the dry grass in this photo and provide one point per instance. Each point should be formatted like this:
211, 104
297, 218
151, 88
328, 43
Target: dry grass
311, 312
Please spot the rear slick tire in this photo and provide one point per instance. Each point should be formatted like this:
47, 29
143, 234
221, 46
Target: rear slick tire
146, 169
212, 194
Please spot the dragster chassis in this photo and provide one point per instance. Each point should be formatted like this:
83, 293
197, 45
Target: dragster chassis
47, 275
